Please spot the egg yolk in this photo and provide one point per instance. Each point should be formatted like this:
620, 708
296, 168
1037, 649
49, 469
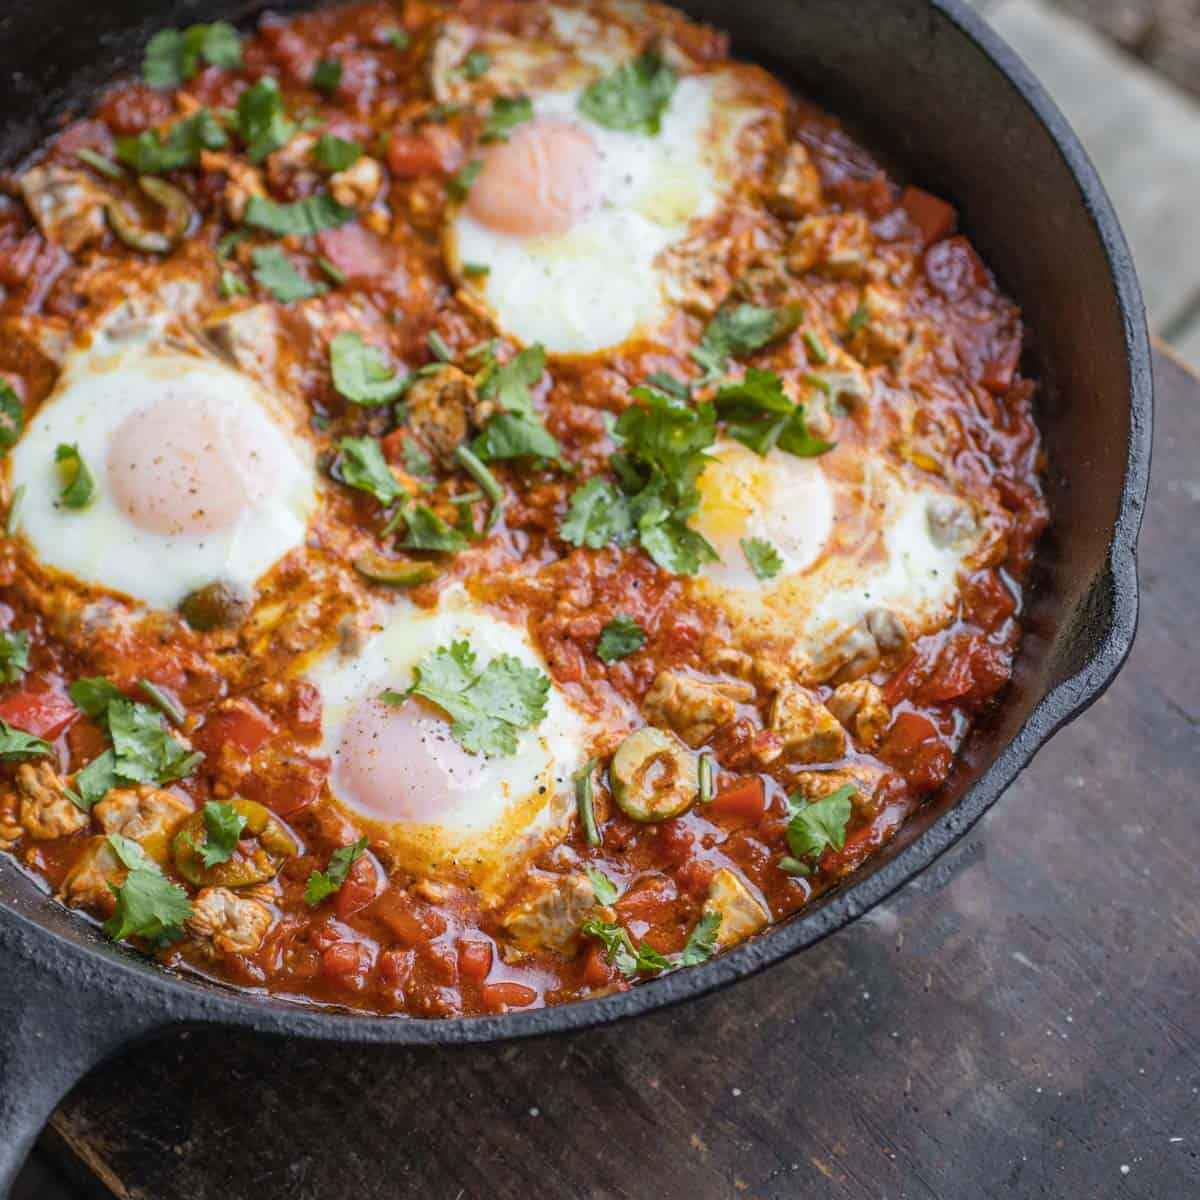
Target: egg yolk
542, 181
401, 763
189, 464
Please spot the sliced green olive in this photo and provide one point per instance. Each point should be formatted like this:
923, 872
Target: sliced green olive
394, 572
264, 845
178, 211
654, 776
214, 606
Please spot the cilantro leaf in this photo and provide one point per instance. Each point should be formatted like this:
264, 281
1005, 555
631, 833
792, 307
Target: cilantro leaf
93, 695
619, 949
327, 76
703, 940
516, 431
508, 384
152, 153
149, 905
763, 558
262, 121
416, 461
361, 372
223, 825
335, 153
277, 273
476, 63
598, 515
813, 827
16, 745
301, 218
507, 113
741, 329
324, 883
633, 98
12, 417
93, 782
759, 414
427, 531
511, 435
603, 887
460, 185
487, 707
14, 655
78, 486
146, 751
620, 638
173, 56
361, 465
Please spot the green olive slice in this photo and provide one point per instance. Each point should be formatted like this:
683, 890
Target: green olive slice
654, 776
264, 845
178, 210
214, 606
393, 572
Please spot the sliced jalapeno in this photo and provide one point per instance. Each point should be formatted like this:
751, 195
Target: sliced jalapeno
178, 210
394, 572
264, 845
654, 776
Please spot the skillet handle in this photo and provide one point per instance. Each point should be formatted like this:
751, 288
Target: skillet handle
58, 1019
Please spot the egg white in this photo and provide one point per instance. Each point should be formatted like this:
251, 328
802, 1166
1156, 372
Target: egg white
500, 809
129, 367
601, 282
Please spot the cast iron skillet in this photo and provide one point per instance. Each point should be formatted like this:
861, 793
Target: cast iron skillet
939, 94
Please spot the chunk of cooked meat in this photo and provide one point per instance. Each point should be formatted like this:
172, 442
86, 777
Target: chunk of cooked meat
242, 180
87, 883
880, 633
67, 204
697, 275
741, 914
861, 709
223, 922
247, 338
550, 914
886, 333
694, 708
840, 245
797, 191
805, 730
145, 814
816, 785
46, 811
440, 409
359, 184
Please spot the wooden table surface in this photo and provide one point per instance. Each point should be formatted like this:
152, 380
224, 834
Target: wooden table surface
1021, 1021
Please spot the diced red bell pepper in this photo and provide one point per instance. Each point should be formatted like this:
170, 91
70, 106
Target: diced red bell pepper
746, 798
933, 217
474, 960
44, 714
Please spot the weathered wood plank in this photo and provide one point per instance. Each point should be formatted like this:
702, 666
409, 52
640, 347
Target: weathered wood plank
1143, 134
1019, 1022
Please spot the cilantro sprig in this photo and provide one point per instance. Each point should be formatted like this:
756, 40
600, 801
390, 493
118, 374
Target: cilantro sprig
153, 153
325, 883
763, 558
173, 56
488, 706
277, 273
16, 745
506, 114
149, 905
77, 487
223, 826
643, 959
361, 372
758, 413
741, 329
261, 119
633, 98
515, 430
620, 638
814, 828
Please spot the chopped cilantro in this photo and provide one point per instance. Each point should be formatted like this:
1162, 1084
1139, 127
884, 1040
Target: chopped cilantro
173, 56
427, 531
510, 435
397, 37
93, 695
361, 373
460, 185
262, 121
620, 951
78, 488
93, 782
14, 655
741, 329
473, 270
361, 465
620, 638
763, 558
438, 347
231, 284
598, 515
702, 941
476, 63
758, 413
324, 883
416, 461
16, 744
149, 905
816, 347
167, 703
145, 749
327, 76
277, 273
486, 480
585, 802
300, 218
487, 707
858, 318
603, 887
223, 825
13, 520
152, 153
12, 417
516, 430
335, 153
633, 98
814, 827
507, 113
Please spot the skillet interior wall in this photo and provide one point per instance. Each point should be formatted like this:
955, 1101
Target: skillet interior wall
871, 63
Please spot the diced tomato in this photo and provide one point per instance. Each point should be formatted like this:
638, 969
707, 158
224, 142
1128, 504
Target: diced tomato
433, 151
654, 901
987, 599
359, 253
674, 843
747, 798
596, 972
914, 746
954, 269
407, 921
346, 964
44, 714
933, 217
499, 996
241, 723
132, 107
292, 784
395, 966
952, 677
694, 876
474, 960
360, 888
